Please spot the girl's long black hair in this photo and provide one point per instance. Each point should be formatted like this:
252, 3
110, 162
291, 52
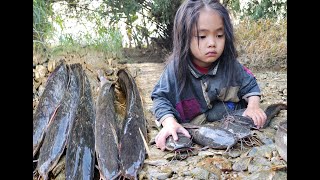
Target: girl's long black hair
185, 21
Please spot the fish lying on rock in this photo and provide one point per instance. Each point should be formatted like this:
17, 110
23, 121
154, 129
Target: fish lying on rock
222, 134
241, 125
106, 140
131, 145
58, 129
49, 101
80, 153
207, 136
211, 136
182, 144
273, 110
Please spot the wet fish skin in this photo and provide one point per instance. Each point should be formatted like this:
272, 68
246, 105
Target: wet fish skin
56, 85
211, 136
131, 148
182, 144
271, 111
229, 130
241, 125
106, 140
80, 153
58, 130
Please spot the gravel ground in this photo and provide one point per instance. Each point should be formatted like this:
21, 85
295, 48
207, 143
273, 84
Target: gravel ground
260, 161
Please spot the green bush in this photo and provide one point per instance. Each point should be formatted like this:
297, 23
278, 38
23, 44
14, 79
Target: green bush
107, 40
42, 28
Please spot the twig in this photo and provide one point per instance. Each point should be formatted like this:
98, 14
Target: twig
144, 142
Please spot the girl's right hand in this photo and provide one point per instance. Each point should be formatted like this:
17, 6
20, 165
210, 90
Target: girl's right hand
170, 127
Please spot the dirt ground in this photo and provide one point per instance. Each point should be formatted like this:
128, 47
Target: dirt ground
146, 66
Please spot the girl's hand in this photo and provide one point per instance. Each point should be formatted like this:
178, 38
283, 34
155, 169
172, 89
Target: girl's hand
170, 127
258, 116
254, 111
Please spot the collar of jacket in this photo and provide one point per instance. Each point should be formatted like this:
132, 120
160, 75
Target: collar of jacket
213, 70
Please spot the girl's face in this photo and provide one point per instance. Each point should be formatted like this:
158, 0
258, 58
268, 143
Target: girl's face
211, 38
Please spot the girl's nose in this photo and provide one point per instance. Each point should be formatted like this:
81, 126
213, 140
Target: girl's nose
211, 42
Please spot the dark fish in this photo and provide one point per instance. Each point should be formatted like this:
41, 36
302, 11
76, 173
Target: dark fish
80, 154
106, 140
181, 147
182, 144
211, 136
241, 125
132, 151
273, 110
58, 130
56, 85
238, 125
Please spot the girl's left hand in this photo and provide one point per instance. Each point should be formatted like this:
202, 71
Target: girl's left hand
258, 116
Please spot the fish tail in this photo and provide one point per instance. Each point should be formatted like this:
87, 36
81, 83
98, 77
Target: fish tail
272, 110
101, 77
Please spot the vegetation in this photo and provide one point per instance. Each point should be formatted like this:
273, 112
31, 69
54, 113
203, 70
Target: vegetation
262, 44
260, 27
258, 9
42, 28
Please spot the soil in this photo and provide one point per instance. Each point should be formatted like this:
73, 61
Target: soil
146, 66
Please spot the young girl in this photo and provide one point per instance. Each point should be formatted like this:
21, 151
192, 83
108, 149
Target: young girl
202, 76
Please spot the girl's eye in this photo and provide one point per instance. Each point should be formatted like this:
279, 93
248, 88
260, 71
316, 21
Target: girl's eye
220, 36
200, 37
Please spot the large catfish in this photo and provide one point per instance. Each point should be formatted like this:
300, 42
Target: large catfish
58, 130
80, 153
131, 145
241, 125
211, 136
56, 85
106, 140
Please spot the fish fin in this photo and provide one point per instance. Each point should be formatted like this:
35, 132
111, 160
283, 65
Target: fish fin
204, 148
228, 148
273, 110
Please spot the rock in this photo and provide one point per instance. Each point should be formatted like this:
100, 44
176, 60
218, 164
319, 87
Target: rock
51, 65
281, 140
241, 164
40, 72
273, 88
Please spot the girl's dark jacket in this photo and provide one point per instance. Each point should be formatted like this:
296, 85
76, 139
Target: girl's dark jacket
203, 94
